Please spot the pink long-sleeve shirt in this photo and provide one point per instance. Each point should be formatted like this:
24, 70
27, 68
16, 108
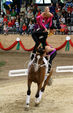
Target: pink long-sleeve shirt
43, 21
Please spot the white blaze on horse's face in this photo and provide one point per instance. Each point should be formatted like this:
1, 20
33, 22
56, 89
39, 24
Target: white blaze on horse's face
36, 64
38, 57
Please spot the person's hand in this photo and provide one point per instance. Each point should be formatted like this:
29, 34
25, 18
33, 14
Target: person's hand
46, 30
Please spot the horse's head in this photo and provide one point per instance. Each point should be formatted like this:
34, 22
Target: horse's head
38, 60
39, 55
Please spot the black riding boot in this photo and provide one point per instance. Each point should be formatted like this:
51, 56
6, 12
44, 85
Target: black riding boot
50, 61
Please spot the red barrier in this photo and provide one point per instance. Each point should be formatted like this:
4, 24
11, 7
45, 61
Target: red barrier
24, 47
6, 49
21, 44
71, 43
58, 48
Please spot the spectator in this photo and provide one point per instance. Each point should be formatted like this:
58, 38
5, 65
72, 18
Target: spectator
2, 13
1, 24
36, 26
10, 25
5, 28
24, 29
13, 22
13, 13
22, 10
26, 20
62, 19
38, 12
21, 24
18, 18
29, 14
57, 9
30, 27
68, 17
72, 17
34, 10
64, 13
52, 8
64, 28
5, 20
69, 8
16, 9
17, 25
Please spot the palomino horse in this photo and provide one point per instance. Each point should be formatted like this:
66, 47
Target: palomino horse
36, 73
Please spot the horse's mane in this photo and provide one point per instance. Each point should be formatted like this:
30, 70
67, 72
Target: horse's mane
41, 51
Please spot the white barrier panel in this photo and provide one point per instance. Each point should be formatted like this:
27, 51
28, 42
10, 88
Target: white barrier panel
19, 72
64, 69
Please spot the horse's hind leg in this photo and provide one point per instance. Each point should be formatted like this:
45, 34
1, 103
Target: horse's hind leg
28, 93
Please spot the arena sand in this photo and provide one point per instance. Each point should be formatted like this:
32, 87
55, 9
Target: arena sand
57, 98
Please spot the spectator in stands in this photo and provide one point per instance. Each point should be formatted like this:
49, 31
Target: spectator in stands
69, 8
57, 8
34, 10
52, 8
24, 29
72, 17
18, 18
2, 13
10, 25
36, 26
16, 9
38, 11
1, 19
29, 15
26, 20
17, 25
5, 20
1, 24
64, 28
5, 28
62, 19
21, 24
64, 13
30, 27
13, 22
22, 10
13, 13
69, 3
72, 9
68, 17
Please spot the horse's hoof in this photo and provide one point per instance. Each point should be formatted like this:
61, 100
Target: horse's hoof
49, 82
27, 107
37, 102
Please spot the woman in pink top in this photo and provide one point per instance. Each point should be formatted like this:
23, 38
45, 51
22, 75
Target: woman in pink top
40, 35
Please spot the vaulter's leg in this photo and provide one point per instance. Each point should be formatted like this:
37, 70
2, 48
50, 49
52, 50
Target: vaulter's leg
52, 55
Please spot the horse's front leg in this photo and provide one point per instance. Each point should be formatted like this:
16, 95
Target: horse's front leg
37, 100
28, 94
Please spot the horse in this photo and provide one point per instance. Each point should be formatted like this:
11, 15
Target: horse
36, 73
